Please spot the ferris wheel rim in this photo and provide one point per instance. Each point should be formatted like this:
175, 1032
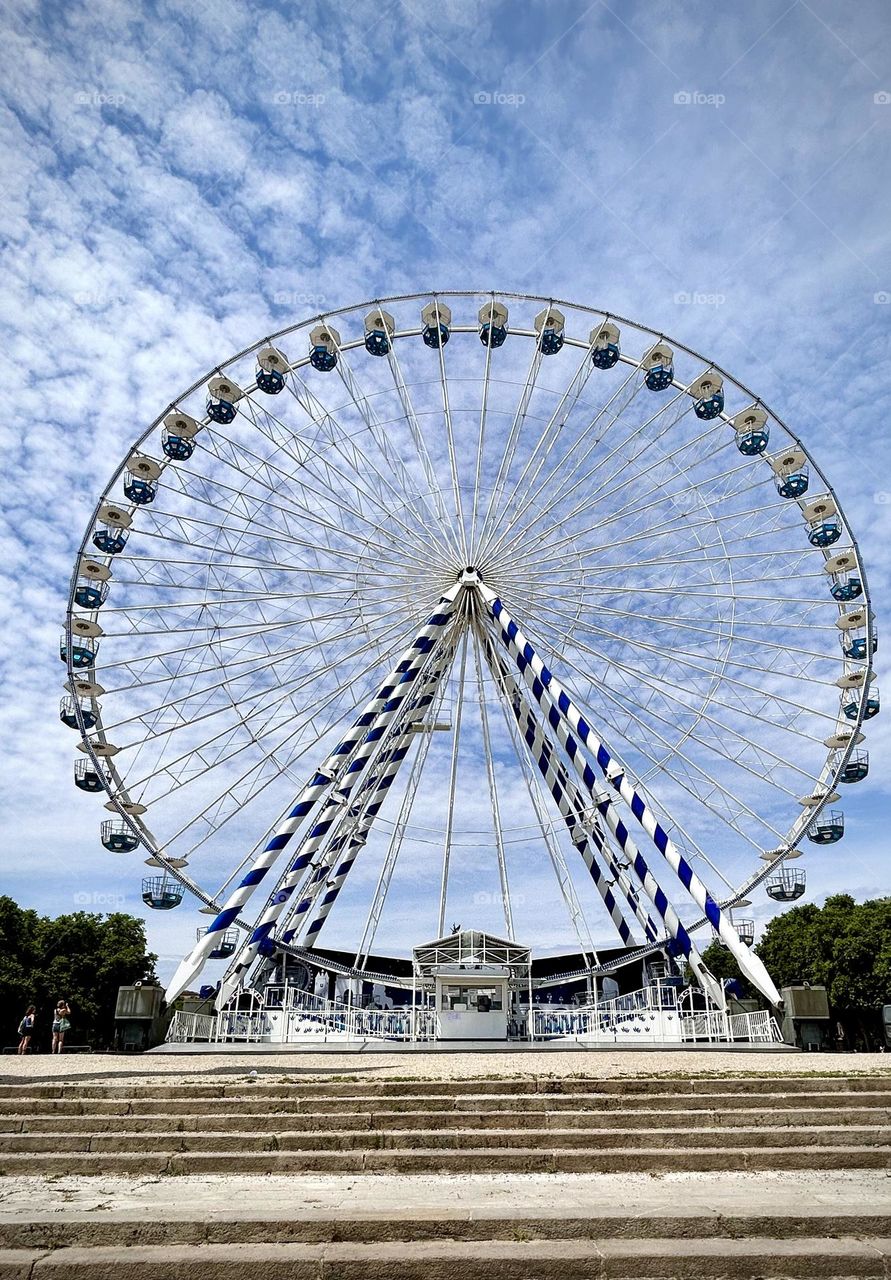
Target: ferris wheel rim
328, 317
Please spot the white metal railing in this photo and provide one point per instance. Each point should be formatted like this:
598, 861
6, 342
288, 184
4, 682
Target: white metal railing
633, 1010
185, 1027
288, 1013
758, 1027
242, 1026
657, 1013
362, 1024
286, 996
394, 1024
709, 1025
307, 1013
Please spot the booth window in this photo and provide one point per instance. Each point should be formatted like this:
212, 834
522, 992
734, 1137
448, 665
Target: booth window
480, 999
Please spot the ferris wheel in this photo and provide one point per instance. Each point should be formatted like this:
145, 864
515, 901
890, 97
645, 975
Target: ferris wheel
449, 590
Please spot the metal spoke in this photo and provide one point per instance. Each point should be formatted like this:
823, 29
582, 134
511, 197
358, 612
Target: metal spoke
481, 438
555, 854
193, 750
541, 449
453, 779
253, 568
493, 796
307, 513
320, 736
513, 436
450, 440
667, 689
375, 911
571, 480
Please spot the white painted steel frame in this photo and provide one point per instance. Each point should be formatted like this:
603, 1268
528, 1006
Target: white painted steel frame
371, 493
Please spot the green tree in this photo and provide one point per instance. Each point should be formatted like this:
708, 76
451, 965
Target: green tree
21, 947
843, 945
83, 957
846, 947
721, 964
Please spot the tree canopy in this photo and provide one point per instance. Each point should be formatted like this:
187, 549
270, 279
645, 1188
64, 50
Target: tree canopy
843, 945
83, 957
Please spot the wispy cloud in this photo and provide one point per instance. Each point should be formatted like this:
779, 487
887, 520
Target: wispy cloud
182, 179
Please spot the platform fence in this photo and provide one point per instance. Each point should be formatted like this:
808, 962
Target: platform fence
655, 1015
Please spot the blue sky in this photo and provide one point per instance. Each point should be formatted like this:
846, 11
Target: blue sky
183, 178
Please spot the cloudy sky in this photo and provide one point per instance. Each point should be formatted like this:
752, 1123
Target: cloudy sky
181, 179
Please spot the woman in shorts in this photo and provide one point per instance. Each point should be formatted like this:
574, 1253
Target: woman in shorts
61, 1024
26, 1028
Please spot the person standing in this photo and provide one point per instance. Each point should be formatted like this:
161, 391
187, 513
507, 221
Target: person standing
61, 1024
26, 1028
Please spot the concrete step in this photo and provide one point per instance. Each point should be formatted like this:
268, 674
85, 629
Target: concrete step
349, 1086
553, 1227
124, 1232
43, 1214
577, 1125
76, 1103
646, 1158
651, 1258
265, 1122
483, 1139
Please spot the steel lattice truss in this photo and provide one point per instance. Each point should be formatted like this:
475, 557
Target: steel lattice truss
592, 554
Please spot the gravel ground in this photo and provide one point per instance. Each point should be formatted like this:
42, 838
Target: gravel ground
603, 1064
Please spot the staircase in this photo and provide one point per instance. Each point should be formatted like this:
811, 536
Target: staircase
120, 1192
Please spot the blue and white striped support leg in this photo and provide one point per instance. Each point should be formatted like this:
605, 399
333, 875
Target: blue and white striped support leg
347, 764
330, 772
559, 709
356, 843
368, 803
545, 755
580, 823
563, 792
582, 830
350, 816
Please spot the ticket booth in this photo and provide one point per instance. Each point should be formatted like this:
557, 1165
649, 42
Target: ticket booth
472, 1006
473, 977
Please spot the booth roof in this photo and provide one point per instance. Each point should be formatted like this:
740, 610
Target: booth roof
470, 947
542, 966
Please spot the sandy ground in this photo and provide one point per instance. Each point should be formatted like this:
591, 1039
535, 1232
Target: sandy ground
597, 1064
